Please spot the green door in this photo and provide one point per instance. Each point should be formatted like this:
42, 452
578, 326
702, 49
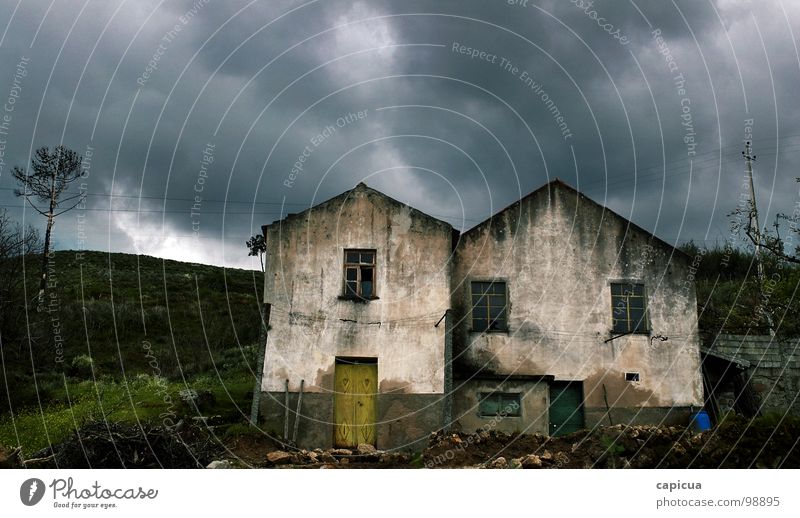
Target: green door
566, 407
354, 404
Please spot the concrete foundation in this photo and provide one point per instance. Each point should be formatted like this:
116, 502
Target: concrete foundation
404, 420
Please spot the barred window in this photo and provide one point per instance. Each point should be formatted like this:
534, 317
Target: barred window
629, 308
359, 273
489, 306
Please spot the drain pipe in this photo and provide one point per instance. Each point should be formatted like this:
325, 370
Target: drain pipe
286, 411
297, 412
447, 410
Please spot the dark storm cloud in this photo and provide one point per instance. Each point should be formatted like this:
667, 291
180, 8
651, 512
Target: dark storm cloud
241, 88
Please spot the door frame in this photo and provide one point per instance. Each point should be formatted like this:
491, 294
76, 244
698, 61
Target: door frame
581, 406
354, 360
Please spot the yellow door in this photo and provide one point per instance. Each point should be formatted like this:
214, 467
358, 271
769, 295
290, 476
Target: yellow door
354, 404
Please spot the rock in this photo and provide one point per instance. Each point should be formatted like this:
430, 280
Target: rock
561, 459
10, 459
366, 449
514, 464
279, 457
318, 451
312, 456
344, 461
547, 455
197, 399
531, 461
327, 458
499, 463
341, 452
220, 464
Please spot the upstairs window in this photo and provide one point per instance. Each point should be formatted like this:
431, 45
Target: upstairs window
359, 274
629, 308
489, 306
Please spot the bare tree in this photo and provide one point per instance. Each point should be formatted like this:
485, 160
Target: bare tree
51, 175
770, 241
15, 243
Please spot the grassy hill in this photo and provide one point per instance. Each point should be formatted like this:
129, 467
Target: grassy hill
122, 336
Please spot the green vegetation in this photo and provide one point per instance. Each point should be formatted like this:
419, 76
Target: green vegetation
123, 336
728, 294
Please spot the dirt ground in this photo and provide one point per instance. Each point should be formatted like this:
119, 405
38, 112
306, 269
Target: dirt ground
737, 443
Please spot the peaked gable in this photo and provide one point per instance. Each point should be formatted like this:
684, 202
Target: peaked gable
555, 185
361, 189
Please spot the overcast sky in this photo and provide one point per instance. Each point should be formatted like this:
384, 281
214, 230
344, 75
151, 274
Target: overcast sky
455, 107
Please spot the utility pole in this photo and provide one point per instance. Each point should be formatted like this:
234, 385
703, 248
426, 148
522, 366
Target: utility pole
755, 229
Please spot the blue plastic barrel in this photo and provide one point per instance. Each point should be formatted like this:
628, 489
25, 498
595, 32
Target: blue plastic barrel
701, 422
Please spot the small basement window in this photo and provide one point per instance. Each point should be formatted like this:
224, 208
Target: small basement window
632, 376
505, 404
359, 274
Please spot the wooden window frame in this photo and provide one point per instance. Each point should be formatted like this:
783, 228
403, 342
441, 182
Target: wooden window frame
359, 296
644, 327
501, 329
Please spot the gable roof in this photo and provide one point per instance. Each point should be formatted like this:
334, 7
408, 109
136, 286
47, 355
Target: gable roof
360, 188
557, 183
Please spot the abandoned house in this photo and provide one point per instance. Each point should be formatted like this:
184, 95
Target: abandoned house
555, 314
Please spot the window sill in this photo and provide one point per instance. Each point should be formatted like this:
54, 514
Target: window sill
503, 331
355, 298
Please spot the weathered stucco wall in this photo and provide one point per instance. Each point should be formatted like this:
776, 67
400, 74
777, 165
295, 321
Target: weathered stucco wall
311, 325
403, 421
534, 402
558, 253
